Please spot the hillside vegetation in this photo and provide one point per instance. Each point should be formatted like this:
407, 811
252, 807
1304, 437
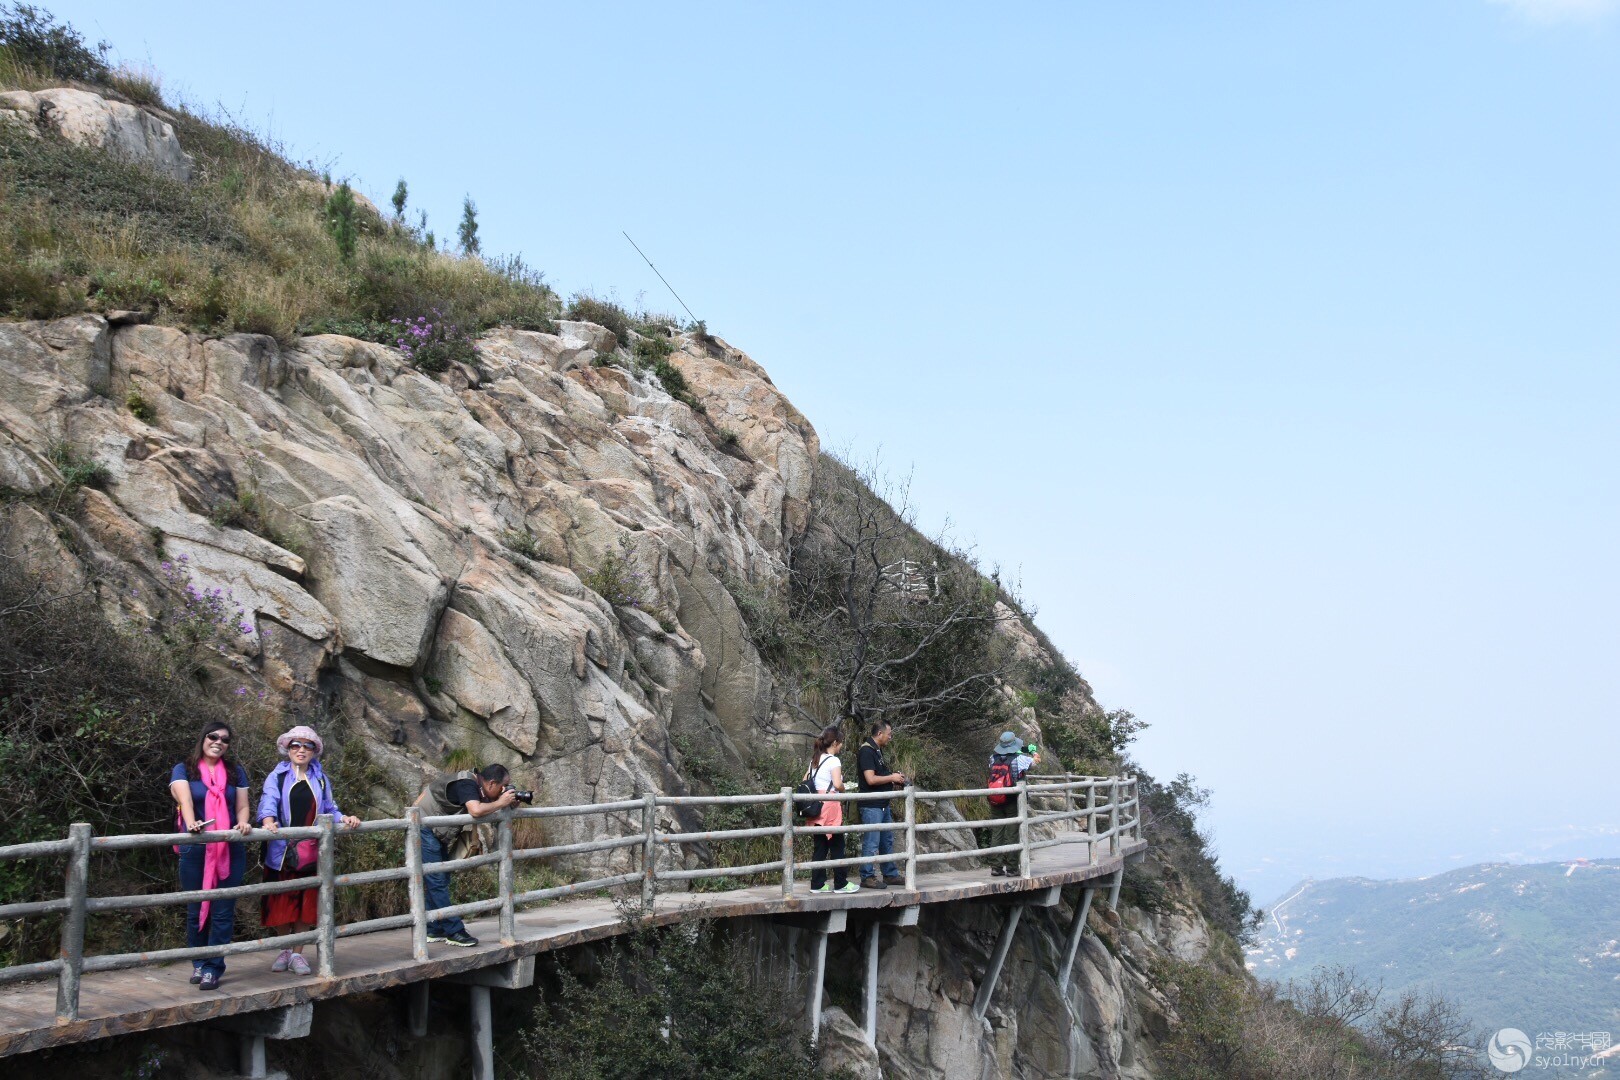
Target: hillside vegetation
1531, 947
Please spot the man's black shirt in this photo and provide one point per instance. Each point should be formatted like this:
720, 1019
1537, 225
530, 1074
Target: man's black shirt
463, 792
870, 757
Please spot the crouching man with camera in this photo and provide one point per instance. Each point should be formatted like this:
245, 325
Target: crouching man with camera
480, 794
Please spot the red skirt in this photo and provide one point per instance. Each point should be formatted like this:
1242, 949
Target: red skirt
284, 909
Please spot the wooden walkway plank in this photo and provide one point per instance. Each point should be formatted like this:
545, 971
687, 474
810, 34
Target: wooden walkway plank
144, 999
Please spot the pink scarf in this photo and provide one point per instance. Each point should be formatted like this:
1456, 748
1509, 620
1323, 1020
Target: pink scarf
216, 857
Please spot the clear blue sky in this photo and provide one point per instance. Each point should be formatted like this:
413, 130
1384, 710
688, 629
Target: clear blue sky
1275, 344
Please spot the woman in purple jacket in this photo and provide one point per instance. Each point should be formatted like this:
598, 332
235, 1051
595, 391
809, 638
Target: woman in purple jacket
295, 792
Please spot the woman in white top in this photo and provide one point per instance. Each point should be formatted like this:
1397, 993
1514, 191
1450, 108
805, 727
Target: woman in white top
828, 773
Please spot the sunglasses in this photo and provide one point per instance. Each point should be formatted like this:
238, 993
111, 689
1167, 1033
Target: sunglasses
301, 746
211, 737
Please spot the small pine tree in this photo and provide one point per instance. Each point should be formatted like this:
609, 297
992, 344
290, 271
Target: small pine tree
399, 200
340, 220
467, 231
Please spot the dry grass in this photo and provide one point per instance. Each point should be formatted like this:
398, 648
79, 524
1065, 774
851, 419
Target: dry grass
140, 83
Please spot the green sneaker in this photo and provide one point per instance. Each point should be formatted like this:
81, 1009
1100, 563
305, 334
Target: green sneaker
849, 886
824, 888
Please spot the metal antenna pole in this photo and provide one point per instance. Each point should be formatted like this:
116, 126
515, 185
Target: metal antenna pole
661, 277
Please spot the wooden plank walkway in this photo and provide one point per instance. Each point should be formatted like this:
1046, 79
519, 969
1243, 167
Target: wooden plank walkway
142, 999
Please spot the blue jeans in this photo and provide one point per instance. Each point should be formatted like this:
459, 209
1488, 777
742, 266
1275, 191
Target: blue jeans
877, 843
437, 887
221, 913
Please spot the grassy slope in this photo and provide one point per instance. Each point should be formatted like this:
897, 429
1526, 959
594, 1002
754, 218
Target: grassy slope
244, 247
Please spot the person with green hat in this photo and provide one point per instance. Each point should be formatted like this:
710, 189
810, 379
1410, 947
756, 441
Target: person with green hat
1009, 761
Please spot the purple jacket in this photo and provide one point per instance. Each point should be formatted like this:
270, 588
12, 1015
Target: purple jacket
275, 803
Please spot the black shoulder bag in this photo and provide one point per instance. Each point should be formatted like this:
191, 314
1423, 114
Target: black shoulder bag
807, 786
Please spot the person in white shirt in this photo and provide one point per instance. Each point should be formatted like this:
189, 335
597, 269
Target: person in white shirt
827, 772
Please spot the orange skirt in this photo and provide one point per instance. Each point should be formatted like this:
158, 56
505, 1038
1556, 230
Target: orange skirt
284, 909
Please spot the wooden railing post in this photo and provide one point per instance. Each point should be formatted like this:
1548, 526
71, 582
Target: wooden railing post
77, 891
418, 888
787, 841
1023, 830
911, 838
508, 882
649, 851
326, 863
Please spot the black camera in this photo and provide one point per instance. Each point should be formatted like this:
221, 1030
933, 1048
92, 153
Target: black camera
524, 797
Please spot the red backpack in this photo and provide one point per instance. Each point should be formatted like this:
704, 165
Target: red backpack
1001, 776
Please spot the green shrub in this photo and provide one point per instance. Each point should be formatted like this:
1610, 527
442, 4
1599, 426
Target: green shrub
523, 542
649, 349
113, 290
138, 406
77, 471
675, 384
35, 39
398, 199
667, 1003
605, 313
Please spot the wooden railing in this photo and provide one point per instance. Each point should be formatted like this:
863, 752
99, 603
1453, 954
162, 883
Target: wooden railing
1109, 807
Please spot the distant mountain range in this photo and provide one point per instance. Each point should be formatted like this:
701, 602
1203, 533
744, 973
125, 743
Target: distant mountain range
1532, 947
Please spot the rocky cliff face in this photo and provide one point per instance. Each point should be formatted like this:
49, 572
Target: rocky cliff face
422, 541
418, 562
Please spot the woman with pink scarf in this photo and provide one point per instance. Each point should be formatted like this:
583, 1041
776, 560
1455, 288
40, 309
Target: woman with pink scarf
211, 793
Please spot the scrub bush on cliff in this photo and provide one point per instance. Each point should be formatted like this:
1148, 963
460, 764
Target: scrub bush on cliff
903, 627
670, 1003
104, 712
35, 39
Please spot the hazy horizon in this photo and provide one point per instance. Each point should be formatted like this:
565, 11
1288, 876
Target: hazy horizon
1273, 349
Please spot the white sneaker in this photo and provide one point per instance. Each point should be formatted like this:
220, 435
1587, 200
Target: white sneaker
283, 958
849, 886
